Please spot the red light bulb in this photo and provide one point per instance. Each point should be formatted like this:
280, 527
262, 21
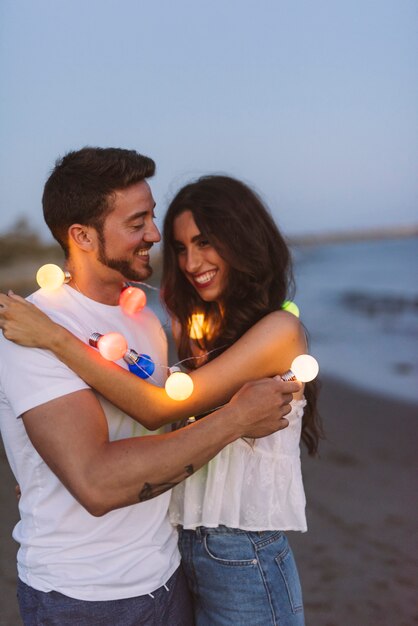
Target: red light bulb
132, 300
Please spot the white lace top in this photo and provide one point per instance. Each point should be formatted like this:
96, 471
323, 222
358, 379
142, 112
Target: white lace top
252, 486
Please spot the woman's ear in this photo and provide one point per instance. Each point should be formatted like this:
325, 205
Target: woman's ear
84, 237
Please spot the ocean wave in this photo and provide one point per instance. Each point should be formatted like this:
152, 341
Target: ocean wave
379, 304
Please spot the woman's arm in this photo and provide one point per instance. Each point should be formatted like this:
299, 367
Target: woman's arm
267, 349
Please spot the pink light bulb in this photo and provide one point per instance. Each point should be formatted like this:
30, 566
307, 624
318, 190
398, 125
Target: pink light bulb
112, 346
132, 300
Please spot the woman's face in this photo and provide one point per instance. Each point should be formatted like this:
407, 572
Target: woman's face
203, 267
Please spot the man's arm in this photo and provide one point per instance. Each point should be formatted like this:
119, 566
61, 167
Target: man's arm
70, 433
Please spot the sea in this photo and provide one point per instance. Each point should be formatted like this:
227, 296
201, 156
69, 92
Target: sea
359, 304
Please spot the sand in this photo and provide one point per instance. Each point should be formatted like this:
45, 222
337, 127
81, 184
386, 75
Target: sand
359, 559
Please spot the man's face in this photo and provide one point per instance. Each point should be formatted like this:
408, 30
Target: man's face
129, 232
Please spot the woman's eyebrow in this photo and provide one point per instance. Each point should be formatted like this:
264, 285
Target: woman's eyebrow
193, 239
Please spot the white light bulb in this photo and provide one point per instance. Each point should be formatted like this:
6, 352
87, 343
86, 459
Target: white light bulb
305, 368
179, 386
50, 276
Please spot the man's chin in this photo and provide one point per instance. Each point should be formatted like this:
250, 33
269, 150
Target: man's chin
126, 271
137, 277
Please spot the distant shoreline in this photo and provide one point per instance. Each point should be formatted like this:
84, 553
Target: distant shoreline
371, 234
23, 241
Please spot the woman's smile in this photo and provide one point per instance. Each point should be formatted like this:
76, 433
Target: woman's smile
204, 279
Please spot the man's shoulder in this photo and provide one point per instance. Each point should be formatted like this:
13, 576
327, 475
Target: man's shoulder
62, 307
150, 316
32, 376
151, 324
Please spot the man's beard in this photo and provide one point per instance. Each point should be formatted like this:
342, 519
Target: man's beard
122, 266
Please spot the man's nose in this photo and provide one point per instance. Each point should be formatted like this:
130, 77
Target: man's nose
152, 235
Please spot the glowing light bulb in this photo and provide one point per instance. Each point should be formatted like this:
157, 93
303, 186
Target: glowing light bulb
197, 323
291, 307
179, 386
132, 300
51, 277
304, 368
111, 346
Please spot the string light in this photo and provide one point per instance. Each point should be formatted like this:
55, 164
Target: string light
132, 300
51, 277
178, 386
304, 368
113, 346
291, 307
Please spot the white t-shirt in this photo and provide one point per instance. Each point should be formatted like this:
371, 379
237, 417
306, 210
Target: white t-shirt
128, 552
252, 485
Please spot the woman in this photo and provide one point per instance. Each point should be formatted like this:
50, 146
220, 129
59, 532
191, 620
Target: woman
224, 258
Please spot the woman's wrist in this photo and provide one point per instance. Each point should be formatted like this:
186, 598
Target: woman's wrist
57, 339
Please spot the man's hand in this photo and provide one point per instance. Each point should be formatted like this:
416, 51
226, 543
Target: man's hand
260, 406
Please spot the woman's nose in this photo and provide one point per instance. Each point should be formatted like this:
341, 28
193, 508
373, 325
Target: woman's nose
193, 260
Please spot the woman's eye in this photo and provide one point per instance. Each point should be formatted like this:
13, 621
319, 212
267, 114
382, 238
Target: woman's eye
203, 243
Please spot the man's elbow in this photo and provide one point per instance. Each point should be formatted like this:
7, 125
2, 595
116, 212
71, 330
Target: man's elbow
93, 499
96, 509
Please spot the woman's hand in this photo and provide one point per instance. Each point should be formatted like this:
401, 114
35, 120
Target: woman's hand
23, 323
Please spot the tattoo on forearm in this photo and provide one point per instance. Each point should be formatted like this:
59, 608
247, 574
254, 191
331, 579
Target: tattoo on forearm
149, 491
189, 469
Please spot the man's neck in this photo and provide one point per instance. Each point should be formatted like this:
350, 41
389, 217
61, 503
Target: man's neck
96, 286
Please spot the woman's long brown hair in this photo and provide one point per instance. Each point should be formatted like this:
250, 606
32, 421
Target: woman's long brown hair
236, 223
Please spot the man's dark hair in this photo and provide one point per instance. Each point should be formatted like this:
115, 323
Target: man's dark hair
80, 187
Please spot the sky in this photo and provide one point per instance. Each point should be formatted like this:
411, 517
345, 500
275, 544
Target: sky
312, 103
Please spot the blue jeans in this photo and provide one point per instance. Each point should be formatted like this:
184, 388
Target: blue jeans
241, 578
169, 605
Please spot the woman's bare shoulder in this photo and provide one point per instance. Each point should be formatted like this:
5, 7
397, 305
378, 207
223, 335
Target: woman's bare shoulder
279, 325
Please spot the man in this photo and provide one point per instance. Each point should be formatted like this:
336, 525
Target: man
96, 545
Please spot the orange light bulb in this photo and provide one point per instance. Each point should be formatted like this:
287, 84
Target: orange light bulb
197, 326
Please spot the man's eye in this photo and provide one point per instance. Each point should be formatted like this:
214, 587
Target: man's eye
137, 226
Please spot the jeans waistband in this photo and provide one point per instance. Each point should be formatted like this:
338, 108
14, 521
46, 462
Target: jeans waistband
202, 531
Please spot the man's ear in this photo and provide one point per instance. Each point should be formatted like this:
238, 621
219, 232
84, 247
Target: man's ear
84, 237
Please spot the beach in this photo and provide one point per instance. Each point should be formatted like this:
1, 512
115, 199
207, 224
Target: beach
359, 559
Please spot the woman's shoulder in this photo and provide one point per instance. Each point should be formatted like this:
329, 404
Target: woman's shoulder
275, 340
280, 324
